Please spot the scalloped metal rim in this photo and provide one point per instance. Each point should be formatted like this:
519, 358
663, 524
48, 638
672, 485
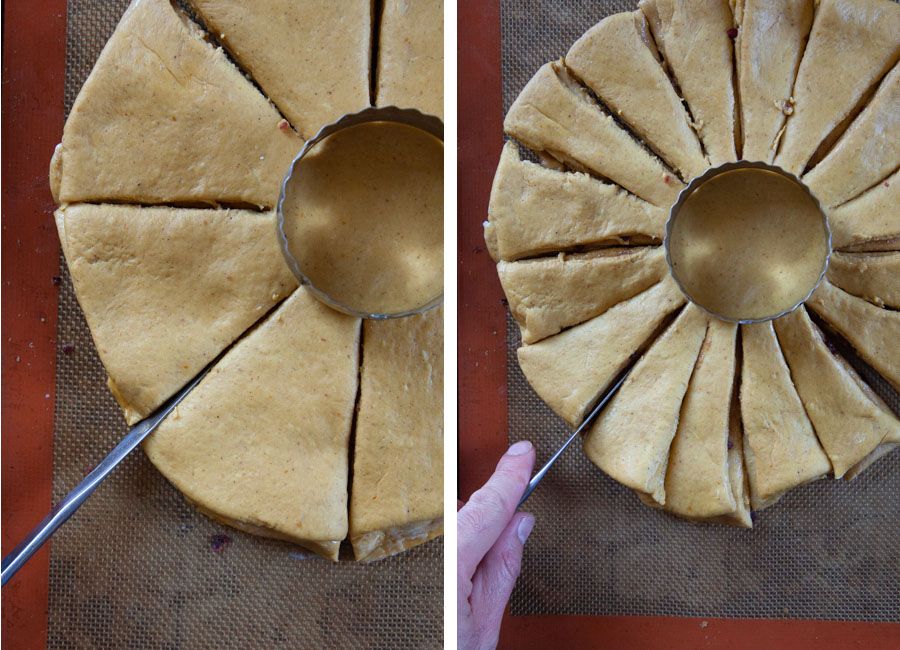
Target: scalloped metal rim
716, 171
407, 116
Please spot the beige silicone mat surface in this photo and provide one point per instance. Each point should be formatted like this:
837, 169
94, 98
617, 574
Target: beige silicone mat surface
137, 567
827, 550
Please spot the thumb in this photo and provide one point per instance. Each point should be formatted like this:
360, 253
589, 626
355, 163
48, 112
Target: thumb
496, 576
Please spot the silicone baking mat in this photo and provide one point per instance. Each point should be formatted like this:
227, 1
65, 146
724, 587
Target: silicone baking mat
137, 567
827, 550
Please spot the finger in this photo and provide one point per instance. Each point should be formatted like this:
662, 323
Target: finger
488, 511
496, 576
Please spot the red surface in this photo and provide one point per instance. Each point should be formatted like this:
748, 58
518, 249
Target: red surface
34, 36
482, 393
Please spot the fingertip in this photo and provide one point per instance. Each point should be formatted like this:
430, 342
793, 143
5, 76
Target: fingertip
526, 525
520, 448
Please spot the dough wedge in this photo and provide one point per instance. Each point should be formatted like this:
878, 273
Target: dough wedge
536, 210
148, 124
853, 43
873, 332
781, 450
873, 276
631, 438
262, 443
866, 153
616, 58
693, 40
571, 370
397, 497
554, 115
310, 57
770, 43
189, 281
850, 420
548, 294
870, 220
411, 56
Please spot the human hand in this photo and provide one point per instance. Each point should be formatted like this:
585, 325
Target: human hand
491, 536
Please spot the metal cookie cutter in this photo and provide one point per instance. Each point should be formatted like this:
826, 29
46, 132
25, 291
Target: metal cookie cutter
711, 173
406, 116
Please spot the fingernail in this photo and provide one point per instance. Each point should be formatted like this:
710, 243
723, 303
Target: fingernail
525, 527
521, 447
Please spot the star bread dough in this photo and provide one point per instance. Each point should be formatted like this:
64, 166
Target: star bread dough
236, 447
872, 331
780, 446
586, 212
870, 221
849, 419
311, 57
571, 370
873, 276
411, 56
164, 290
631, 438
616, 58
164, 117
555, 115
692, 38
398, 468
551, 293
853, 43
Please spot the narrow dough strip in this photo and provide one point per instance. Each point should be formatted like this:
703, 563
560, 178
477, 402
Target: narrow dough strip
866, 153
536, 210
189, 281
693, 40
697, 483
310, 57
631, 438
547, 295
617, 59
853, 43
770, 43
411, 56
570, 370
850, 420
262, 443
781, 450
870, 218
554, 114
873, 276
164, 117
873, 332
397, 497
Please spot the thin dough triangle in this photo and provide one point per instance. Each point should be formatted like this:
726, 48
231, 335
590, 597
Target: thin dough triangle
189, 281
771, 38
781, 450
262, 443
867, 152
693, 40
164, 117
571, 370
551, 293
873, 276
411, 56
697, 480
853, 43
873, 332
849, 419
311, 57
631, 438
536, 210
555, 115
398, 468
616, 59
871, 219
